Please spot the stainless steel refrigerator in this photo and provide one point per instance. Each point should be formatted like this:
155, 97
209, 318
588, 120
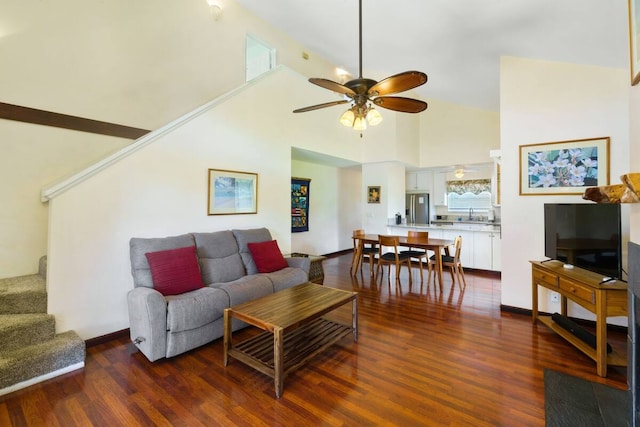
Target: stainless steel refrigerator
417, 208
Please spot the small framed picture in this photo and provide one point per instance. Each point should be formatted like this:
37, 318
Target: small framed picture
373, 194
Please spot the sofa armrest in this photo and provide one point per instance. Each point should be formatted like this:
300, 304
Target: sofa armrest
299, 262
148, 321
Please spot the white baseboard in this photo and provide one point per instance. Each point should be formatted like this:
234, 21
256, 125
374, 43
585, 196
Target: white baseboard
41, 378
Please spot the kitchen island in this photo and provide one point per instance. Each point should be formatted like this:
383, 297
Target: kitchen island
481, 241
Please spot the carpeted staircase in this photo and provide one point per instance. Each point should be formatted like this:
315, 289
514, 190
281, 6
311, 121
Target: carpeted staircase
30, 350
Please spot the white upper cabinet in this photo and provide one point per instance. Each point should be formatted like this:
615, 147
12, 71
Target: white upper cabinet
439, 189
419, 181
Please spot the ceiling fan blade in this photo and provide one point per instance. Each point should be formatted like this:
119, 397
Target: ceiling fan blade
317, 107
398, 103
331, 85
398, 83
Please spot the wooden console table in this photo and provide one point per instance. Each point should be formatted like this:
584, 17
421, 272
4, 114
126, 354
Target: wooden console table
582, 287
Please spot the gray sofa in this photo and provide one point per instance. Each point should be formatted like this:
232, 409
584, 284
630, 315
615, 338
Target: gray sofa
165, 326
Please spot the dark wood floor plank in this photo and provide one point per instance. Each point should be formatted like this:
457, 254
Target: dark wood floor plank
422, 358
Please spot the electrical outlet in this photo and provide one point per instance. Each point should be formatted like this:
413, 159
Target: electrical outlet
555, 297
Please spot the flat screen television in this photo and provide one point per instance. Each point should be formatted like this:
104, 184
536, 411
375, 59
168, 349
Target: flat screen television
584, 235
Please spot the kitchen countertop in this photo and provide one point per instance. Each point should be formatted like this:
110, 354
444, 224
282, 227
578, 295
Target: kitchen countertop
454, 225
464, 221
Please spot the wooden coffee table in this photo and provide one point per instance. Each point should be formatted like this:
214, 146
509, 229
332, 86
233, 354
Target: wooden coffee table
294, 329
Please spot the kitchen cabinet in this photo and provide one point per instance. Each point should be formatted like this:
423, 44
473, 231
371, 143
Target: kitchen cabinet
439, 189
481, 249
419, 181
496, 251
466, 253
435, 233
487, 253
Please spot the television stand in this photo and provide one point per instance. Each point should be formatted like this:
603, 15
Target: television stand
584, 288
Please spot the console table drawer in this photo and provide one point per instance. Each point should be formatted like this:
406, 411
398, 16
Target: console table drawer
579, 291
545, 279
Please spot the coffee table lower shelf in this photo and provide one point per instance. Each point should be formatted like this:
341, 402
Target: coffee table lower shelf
300, 345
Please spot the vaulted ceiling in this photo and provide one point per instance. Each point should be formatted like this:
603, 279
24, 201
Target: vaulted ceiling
458, 43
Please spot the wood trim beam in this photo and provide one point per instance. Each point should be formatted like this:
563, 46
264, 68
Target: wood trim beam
48, 118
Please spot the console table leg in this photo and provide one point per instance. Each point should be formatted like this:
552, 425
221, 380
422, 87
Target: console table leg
278, 362
534, 301
601, 335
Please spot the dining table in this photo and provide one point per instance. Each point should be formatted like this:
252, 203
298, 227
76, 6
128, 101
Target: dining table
438, 246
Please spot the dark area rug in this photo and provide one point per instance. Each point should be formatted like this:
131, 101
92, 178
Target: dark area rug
571, 401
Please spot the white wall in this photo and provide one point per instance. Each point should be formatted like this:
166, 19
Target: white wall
453, 134
161, 189
31, 156
139, 64
390, 176
334, 207
540, 102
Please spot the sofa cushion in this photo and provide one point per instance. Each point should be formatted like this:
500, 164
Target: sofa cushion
287, 277
246, 289
175, 271
267, 256
220, 260
194, 309
139, 246
244, 237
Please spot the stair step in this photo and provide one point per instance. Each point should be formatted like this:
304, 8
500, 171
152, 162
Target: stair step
23, 294
19, 330
25, 363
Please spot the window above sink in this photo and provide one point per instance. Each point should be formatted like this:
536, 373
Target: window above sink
469, 195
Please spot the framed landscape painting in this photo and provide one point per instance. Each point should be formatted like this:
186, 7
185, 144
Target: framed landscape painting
565, 167
232, 192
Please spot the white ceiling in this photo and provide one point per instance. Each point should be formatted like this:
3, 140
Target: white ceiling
458, 43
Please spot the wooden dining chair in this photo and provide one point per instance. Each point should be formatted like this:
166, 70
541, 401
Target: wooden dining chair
391, 257
451, 262
362, 252
415, 253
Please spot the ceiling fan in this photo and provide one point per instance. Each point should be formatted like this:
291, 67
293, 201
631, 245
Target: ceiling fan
361, 93
458, 171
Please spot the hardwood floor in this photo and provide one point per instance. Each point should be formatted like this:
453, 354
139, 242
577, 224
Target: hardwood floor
422, 358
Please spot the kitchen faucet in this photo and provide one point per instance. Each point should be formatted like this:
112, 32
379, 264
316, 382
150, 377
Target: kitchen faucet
470, 214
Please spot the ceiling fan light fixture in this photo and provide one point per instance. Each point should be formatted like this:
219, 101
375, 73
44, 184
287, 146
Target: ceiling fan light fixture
361, 93
360, 123
374, 117
347, 118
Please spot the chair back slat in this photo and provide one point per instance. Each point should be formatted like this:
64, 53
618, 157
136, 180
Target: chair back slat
457, 244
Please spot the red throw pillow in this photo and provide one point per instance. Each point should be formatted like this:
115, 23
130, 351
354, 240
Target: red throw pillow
175, 271
267, 256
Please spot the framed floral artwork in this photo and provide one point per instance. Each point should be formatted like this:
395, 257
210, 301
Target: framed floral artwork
565, 167
634, 40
